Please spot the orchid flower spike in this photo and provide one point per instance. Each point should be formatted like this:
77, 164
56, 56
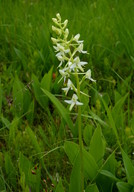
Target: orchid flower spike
68, 53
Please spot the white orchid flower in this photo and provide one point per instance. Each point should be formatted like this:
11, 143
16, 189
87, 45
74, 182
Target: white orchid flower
64, 74
76, 38
61, 49
88, 76
73, 101
80, 49
78, 64
70, 85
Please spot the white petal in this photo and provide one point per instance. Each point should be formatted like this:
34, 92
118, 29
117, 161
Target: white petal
67, 50
78, 103
68, 101
84, 52
59, 64
76, 37
72, 105
83, 62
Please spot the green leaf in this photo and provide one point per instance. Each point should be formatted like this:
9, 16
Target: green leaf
18, 96
131, 180
90, 166
46, 83
38, 93
97, 118
25, 167
124, 187
43, 136
72, 150
2, 182
59, 187
117, 108
0, 96
12, 130
129, 168
109, 174
6, 122
92, 188
30, 114
106, 180
37, 148
10, 171
22, 57
75, 180
111, 120
27, 178
62, 110
97, 146
110, 163
47, 80
26, 100
87, 134
34, 141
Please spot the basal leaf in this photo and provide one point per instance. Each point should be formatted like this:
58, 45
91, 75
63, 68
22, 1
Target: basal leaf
26, 100
106, 180
37, 148
10, 171
97, 118
129, 168
72, 150
18, 96
90, 166
117, 108
124, 187
47, 80
60, 187
75, 180
97, 146
62, 110
27, 178
0, 96
2, 182
30, 114
92, 188
22, 57
87, 134
109, 174
110, 163
41, 99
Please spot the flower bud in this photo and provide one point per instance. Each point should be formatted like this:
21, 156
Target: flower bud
56, 30
58, 16
65, 23
54, 40
55, 20
66, 34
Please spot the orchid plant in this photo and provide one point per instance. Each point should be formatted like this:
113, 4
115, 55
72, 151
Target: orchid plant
70, 66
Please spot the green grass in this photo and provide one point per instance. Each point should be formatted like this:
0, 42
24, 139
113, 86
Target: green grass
36, 133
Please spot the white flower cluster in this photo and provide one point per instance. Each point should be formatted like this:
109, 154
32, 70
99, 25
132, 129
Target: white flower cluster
67, 52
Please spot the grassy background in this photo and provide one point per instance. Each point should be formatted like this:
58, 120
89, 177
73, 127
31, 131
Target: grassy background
26, 55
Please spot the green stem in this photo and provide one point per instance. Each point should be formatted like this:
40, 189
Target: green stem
80, 134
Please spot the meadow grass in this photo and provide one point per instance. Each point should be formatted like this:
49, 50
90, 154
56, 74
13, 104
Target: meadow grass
33, 129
